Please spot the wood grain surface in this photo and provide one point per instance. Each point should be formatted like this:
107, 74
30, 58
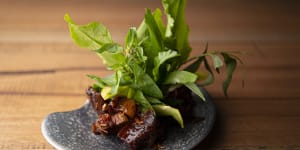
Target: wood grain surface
42, 71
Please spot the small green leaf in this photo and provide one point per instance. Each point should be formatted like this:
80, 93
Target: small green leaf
207, 67
106, 93
115, 87
160, 59
153, 101
142, 102
164, 110
177, 29
99, 81
180, 77
194, 88
195, 65
110, 47
141, 31
230, 67
158, 19
112, 59
131, 39
145, 83
91, 36
155, 34
217, 61
205, 78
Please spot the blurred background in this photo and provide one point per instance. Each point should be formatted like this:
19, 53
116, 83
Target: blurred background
43, 71
209, 20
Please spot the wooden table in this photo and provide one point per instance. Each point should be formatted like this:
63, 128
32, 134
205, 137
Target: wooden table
42, 71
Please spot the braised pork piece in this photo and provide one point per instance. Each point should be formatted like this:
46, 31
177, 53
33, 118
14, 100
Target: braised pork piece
120, 116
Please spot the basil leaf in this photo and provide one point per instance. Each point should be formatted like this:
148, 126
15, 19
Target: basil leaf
91, 36
180, 77
230, 67
164, 110
195, 89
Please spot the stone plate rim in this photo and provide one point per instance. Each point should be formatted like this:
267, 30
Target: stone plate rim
209, 115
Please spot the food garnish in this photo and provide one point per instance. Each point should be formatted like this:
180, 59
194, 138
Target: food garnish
152, 63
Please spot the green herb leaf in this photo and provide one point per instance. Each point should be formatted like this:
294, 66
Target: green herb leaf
115, 87
131, 39
194, 88
207, 67
158, 19
164, 110
111, 55
151, 59
156, 42
142, 102
141, 31
180, 77
230, 67
110, 47
91, 36
195, 65
153, 101
113, 60
160, 59
177, 29
204, 78
100, 82
145, 83
216, 60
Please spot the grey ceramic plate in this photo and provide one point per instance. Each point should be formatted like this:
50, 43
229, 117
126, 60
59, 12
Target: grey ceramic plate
72, 130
